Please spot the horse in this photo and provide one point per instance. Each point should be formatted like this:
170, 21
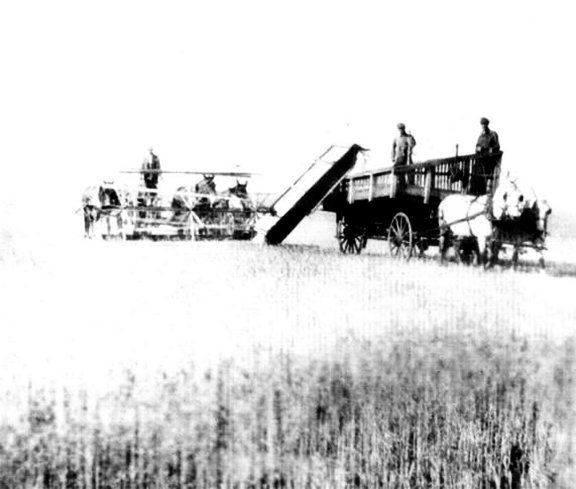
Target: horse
102, 203
468, 220
528, 231
111, 209
232, 210
238, 197
206, 185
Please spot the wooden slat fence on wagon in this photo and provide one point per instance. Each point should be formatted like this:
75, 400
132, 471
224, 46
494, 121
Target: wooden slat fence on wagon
438, 178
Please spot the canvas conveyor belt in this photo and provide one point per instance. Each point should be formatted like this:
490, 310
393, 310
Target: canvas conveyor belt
310, 189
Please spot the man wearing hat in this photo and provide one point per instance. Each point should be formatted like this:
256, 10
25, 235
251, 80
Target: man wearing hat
487, 147
152, 162
488, 143
402, 147
149, 198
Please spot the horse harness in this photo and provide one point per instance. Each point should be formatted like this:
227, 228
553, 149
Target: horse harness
468, 218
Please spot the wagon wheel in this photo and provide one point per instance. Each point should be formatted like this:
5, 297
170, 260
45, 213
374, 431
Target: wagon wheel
400, 236
351, 239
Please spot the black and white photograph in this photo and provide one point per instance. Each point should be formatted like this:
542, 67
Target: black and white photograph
287, 245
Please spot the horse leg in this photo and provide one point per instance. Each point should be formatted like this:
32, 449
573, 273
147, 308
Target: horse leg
466, 247
86, 222
443, 244
541, 260
108, 226
445, 235
94, 216
515, 256
120, 224
90, 217
494, 251
93, 219
481, 244
457, 250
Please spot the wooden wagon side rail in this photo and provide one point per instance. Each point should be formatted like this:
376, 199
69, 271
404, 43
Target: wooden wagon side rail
469, 174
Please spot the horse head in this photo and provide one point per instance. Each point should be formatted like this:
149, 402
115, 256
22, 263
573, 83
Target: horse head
542, 211
240, 190
108, 195
207, 185
508, 201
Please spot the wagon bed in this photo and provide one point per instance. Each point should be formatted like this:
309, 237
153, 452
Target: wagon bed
400, 204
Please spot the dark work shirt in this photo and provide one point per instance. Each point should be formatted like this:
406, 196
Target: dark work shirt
151, 179
488, 143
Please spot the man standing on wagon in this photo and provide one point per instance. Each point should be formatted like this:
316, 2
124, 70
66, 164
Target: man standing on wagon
402, 147
487, 146
488, 143
402, 150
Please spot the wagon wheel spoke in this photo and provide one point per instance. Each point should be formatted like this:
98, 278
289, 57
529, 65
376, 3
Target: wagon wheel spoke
357, 243
351, 245
400, 238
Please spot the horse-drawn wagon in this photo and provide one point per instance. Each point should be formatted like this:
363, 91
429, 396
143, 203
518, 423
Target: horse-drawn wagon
460, 202
400, 205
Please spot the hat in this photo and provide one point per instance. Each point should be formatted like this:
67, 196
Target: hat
401, 126
484, 121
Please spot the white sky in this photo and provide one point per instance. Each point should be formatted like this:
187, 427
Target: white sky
87, 87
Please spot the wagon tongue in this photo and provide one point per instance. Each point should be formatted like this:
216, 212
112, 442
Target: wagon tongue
310, 189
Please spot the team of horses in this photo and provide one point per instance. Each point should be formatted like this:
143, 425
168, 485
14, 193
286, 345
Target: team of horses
482, 226
223, 214
114, 208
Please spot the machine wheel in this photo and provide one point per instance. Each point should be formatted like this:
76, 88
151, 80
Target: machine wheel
401, 237
351, 239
